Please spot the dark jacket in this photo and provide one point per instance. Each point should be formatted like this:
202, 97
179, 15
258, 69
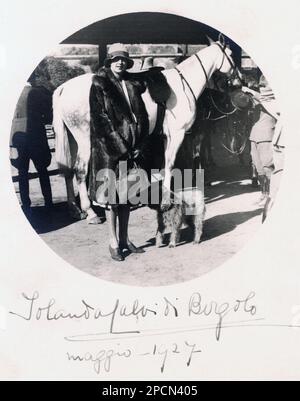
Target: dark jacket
111, 97
33, 111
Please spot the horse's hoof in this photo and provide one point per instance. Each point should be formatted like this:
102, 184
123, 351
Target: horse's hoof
95, 220
172, 245
77, 215
82, 215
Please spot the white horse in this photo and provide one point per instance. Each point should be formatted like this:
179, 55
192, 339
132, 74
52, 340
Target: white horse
71, 123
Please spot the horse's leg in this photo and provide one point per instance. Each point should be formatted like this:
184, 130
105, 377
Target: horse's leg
174, 140
74, 210
210, 159
85, 203
81, 171
199, 152
241, 159
197, 145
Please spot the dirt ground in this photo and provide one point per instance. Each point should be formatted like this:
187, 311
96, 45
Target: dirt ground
232, 218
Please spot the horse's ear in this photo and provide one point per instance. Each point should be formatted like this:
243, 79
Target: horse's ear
222, 40
228, 51
211, 41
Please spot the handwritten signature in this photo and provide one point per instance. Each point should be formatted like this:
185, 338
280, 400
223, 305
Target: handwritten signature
115, 315
202, 314
102, 360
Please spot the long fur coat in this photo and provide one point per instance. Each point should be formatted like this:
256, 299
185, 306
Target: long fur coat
115, 134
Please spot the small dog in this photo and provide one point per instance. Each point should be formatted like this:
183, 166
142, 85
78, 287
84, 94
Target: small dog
188, 208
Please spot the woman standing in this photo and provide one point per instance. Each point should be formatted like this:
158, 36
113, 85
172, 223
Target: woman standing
119, 123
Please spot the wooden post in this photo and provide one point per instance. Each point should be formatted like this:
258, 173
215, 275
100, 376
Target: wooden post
102, 51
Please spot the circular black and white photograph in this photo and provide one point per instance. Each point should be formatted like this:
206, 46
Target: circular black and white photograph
145, 156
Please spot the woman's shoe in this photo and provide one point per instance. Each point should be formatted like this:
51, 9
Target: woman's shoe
116, 254
131, 248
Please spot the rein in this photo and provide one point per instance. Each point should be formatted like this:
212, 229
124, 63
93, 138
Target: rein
207, 80
236, 152
231, 150
206, 77
188, 85
225, 114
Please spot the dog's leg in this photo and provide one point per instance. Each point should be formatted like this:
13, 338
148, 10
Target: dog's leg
198, 226
160, 230
176, 224
174, 237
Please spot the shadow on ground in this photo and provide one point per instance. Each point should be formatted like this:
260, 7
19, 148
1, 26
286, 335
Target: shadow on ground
213, 227
44, 220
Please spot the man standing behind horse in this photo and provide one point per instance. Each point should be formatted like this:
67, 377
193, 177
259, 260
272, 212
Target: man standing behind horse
119, 124
262, 133
29, 139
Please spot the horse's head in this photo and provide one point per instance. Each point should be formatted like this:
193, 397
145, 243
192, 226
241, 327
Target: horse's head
224, 63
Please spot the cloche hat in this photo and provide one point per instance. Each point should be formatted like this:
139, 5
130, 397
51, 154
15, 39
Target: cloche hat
118, 50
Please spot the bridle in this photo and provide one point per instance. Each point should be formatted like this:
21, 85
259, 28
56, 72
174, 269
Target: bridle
233, 67
222, 46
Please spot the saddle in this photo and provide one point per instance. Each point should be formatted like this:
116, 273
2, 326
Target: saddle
155, 82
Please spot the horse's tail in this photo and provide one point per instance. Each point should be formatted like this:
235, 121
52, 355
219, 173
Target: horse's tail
62, 145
